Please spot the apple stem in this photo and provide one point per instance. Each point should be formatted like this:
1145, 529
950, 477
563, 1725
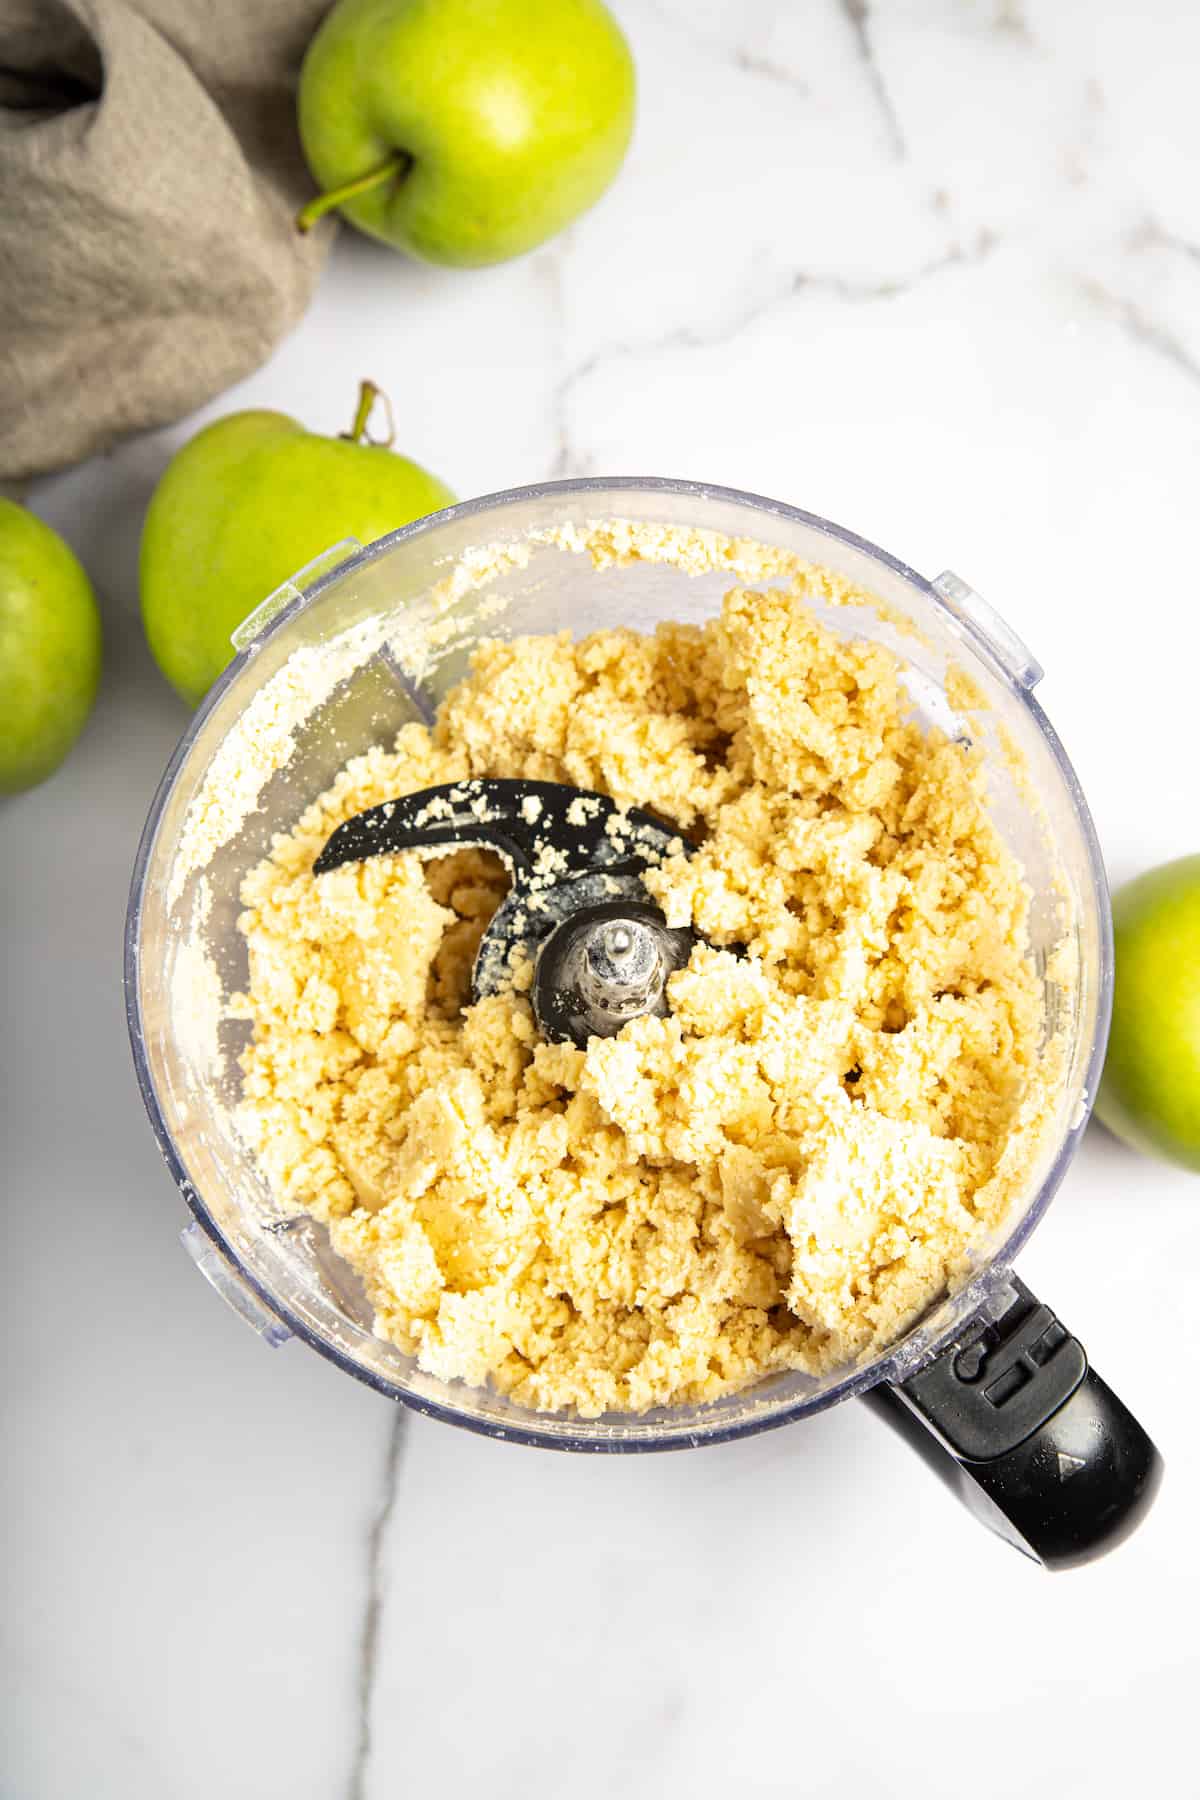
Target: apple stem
393, 169
368, 395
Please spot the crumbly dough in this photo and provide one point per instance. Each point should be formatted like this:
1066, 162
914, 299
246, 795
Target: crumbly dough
781, 1174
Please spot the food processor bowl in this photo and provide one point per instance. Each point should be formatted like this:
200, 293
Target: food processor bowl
367, 639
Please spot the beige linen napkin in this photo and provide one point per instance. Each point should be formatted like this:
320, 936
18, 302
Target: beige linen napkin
149, 173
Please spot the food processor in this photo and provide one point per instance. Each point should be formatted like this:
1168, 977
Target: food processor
992, 1389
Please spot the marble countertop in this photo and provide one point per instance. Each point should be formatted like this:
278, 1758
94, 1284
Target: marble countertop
930, 268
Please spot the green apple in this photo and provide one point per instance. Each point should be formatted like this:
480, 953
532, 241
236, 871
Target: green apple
464, 131
1150, 1094
50, 648
244, 505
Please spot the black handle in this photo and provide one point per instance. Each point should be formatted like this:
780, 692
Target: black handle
1030, 1439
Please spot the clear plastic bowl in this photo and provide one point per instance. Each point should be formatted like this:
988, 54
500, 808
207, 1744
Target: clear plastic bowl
277, 1269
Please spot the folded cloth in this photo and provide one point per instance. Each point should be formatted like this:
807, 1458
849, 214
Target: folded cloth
150, 170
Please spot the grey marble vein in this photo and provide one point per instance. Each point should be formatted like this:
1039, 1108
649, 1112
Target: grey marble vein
859, 291
550, 278
1150, 235
858, 17
1141, 328
750, 62
368, 1643
741, 56
851, 289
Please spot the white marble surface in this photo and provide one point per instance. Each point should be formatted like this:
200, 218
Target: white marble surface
930, 268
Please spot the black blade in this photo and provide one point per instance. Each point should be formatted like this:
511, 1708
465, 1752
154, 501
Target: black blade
541, 829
